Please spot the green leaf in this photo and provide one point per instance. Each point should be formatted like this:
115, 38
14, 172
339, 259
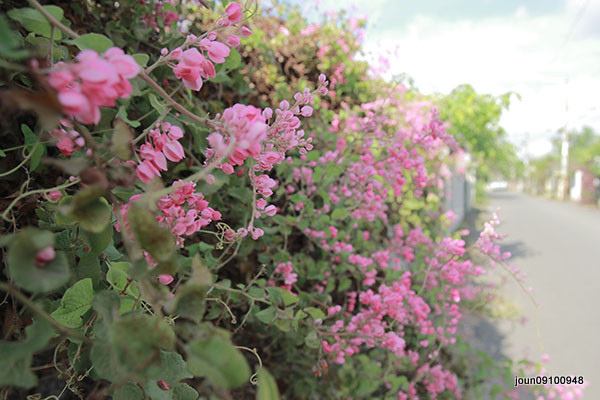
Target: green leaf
157, 105
219, 361
319, 171
274, 294
173, 369
122, 139
15, 368
315, 313
89, 267
76, 301
183, 391
220, 77
123, 115
189, 298
94, 41
141, 58
98, 242
138, 339
344, 284
106, 303
267, 387
106, 361
288, 297
339, 213
34, 21
23, 268
158, 241
312, 341
129, 391
36, 149
267, 315
234, 60
90, 209
10, 46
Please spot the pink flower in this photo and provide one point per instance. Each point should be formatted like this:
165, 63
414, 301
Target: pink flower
190, 68
261, 204
245, 31
256, 233
306, 111
92, 82
165, 279
271, 210
44, 256
217, 52
176, 53
54, 195
233, 40
61, 78
173, 151
234, 12
126, 65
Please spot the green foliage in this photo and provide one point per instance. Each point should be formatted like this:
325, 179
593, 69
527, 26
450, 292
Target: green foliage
267, 387
76, 301
474, 120
219, 361
22, 265
17, 356
35, 22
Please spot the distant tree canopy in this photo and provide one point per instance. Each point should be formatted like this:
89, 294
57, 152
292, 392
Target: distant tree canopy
475, 122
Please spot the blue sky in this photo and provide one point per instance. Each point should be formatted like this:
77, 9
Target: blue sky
548, 51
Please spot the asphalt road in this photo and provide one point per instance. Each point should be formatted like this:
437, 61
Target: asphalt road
558, 245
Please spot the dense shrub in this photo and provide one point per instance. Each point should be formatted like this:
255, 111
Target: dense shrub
199, 199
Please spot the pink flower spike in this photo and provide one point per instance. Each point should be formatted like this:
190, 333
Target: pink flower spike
44, 256
233, 40
165, 279
245, 31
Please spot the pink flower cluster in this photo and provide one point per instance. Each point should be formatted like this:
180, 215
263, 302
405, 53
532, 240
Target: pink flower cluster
161, 12
164, 145
196, 63
247, 126
92, 82
67, 139
184, 211
287, 273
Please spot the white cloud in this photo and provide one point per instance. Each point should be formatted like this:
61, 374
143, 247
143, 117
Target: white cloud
532, 55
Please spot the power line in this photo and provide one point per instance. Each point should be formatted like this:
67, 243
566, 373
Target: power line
571, 30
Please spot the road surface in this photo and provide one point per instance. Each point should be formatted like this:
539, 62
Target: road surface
558, 245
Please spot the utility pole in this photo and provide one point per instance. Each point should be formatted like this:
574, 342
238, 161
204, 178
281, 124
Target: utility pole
563, 183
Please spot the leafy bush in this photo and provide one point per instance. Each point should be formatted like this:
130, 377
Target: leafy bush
178, 238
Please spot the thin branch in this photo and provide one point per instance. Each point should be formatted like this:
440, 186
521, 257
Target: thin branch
35, 4
169, 99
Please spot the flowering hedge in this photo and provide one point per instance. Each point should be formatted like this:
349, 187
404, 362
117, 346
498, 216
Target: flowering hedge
211, 203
